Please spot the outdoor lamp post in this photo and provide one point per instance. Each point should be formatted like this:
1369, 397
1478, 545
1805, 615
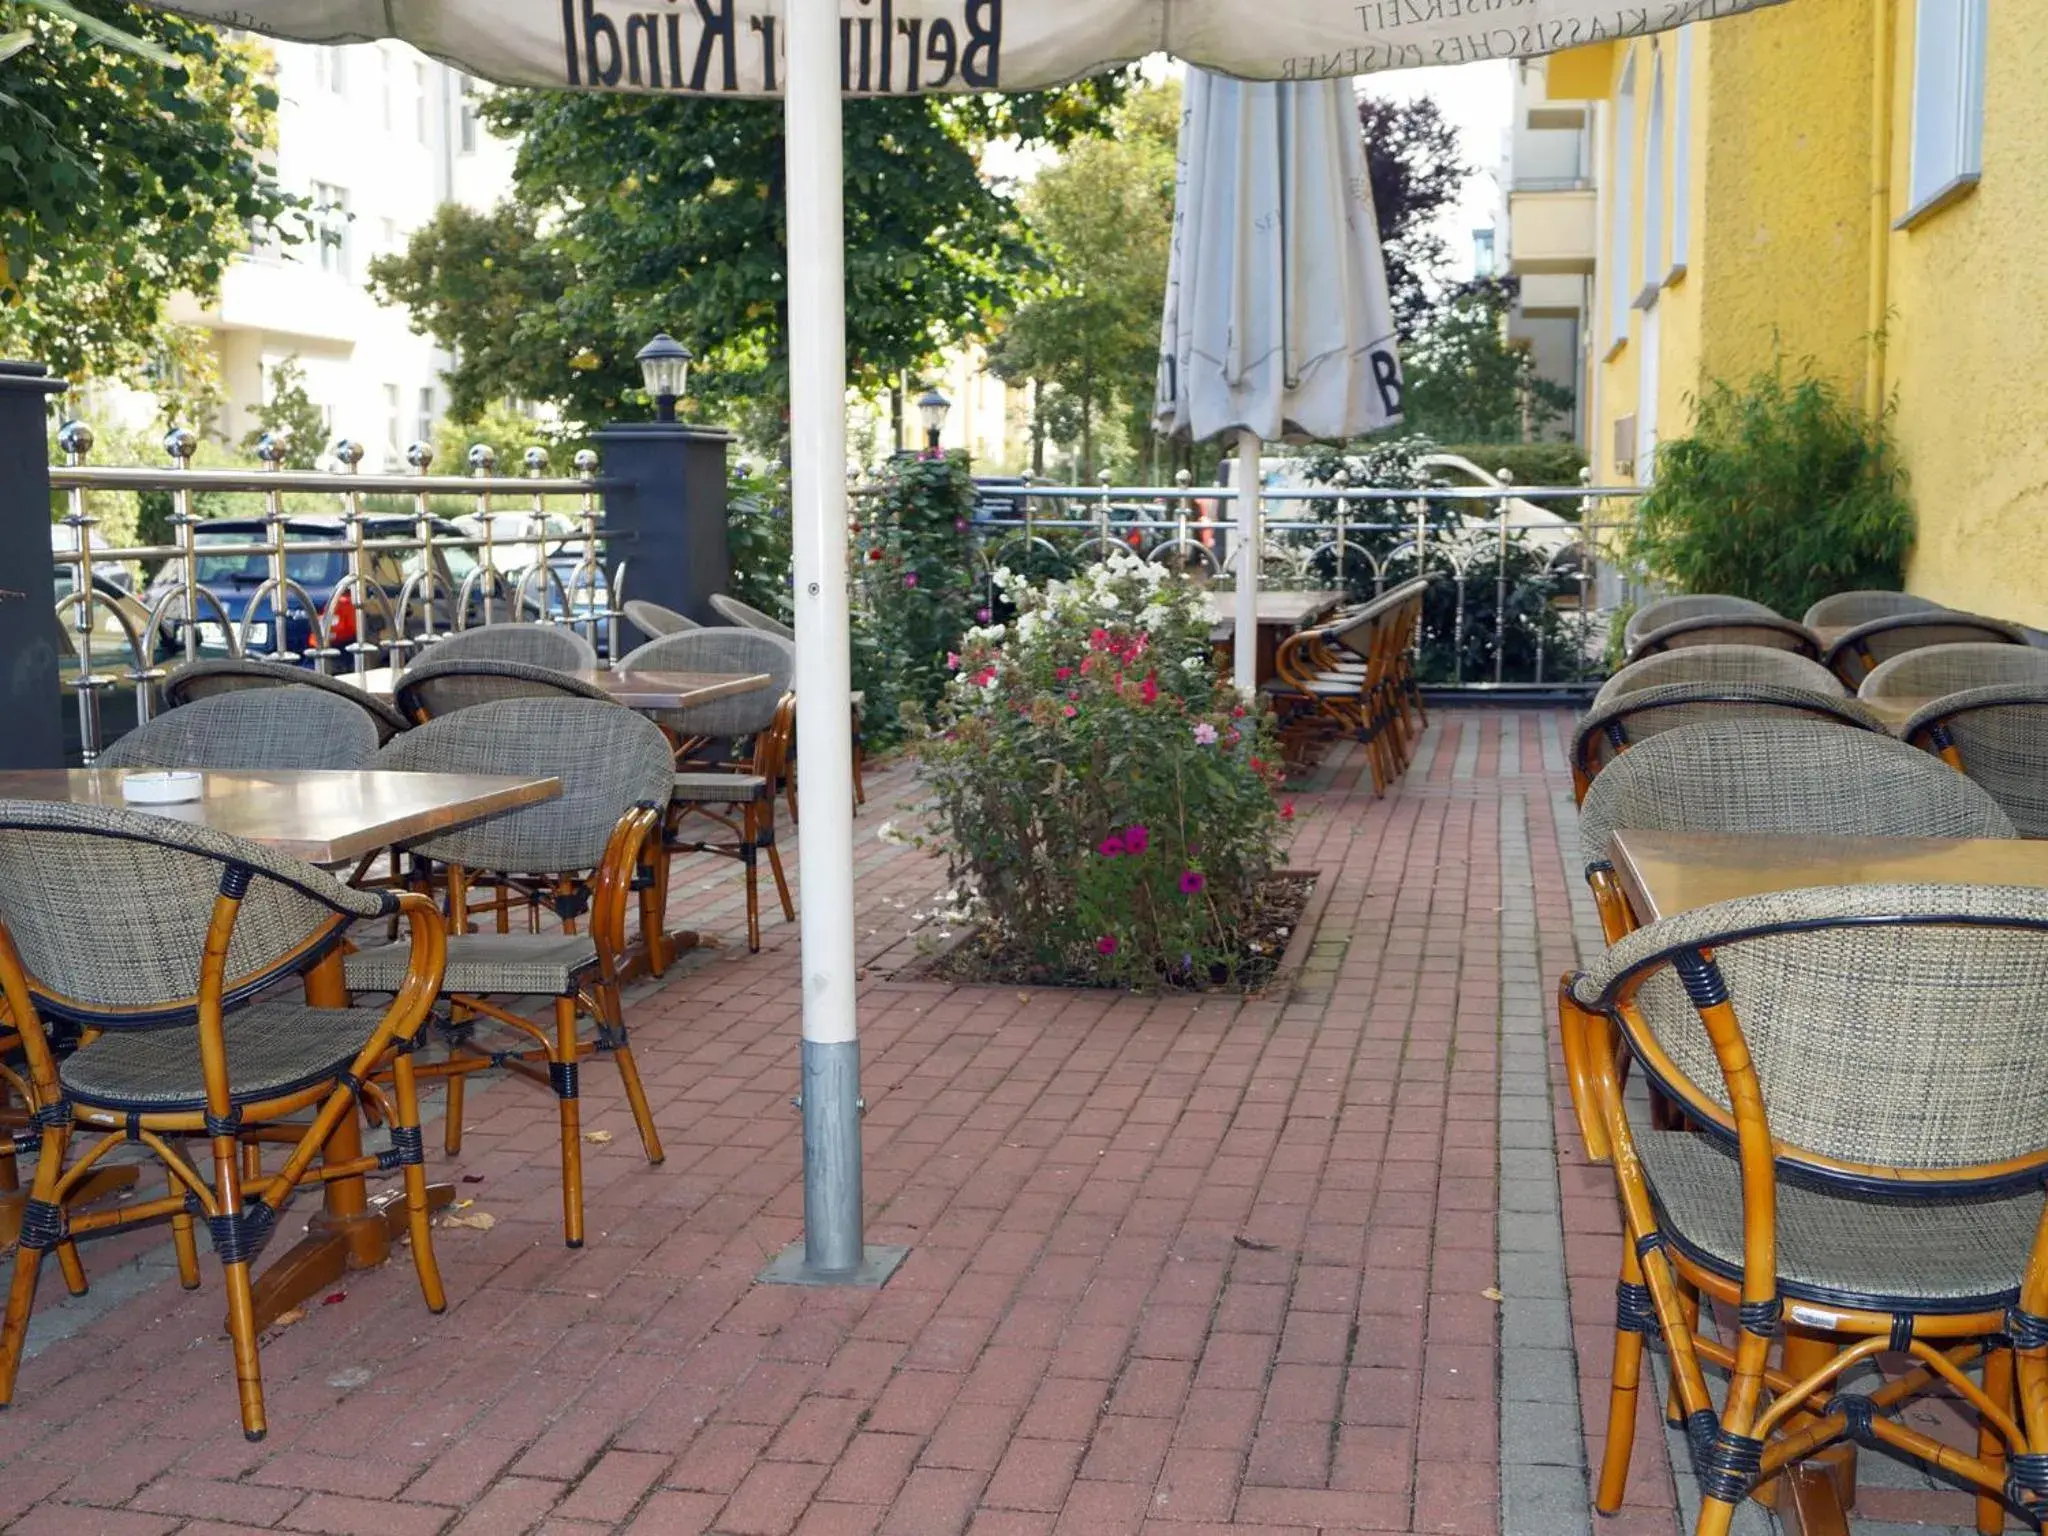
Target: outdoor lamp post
665, 367
932, 407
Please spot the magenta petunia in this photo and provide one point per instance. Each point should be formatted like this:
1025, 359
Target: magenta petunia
1112, 847
1192, 881
1137, 839
1106, 945
910, 578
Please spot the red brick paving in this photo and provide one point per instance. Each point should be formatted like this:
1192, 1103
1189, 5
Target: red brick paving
1198, 1266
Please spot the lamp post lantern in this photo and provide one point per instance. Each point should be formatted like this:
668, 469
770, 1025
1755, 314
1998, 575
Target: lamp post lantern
665, 368
931, 408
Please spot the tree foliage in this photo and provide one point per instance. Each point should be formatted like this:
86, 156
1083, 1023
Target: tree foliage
290, 418
1412, 158
1463, 381
124, 181
636, 214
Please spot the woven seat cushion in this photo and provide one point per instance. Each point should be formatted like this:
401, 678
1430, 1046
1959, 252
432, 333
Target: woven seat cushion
720, 788
273, 1048
1951, 1255
527, 964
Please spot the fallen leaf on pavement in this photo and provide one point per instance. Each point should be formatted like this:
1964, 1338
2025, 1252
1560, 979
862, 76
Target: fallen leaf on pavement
597, 1138
1493, 1293
286, 1319
482, 1221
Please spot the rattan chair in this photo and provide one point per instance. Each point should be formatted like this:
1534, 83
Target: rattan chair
1846, 609
1354, 677
537, 645
169, 943
1759, 629
1858, 652
203, 679
1721, 664
1611, 728
1936, 670
1660, 611
1999, 737
585, 847
739, 794
654, 621
258, 727
733, 611
441, 686
1865, 1066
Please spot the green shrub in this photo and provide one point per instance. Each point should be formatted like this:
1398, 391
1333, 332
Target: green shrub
1528, 463
1784, 492
1105, 800
918, 570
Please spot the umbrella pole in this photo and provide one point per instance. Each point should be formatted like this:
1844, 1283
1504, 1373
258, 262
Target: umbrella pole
831, 1252
1245, 644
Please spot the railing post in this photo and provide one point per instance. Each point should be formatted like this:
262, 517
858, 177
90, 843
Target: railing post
181, 444
29, 690
349, 454
75, 439
483, 459
1500, 589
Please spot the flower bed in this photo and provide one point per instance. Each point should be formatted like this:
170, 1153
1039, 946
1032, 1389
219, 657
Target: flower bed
1109, 807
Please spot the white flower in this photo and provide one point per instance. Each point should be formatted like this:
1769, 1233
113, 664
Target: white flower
1108, 602
888, 832
1002, 576
1194, 664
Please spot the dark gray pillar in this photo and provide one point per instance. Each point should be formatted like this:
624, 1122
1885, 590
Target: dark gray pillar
30, 700
664, 512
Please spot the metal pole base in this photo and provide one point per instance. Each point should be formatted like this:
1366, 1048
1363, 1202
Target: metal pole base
878, 1262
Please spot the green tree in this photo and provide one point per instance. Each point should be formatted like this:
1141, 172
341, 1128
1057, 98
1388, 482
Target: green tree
124, 180
633, 214
1464, 383
1412, 158
291, 416
1088, 336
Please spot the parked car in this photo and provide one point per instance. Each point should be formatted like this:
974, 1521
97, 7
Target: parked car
236, 578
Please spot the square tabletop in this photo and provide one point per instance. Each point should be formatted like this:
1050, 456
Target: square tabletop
634, 689
1292, 609
1665, 873
324, 816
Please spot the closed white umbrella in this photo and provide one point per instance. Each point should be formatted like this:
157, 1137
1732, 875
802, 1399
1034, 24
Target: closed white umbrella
1277, 321
767, 47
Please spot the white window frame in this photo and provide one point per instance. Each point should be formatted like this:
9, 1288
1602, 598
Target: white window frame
1681, 157
1947, 156
1655, 152
1621, 210
331, 228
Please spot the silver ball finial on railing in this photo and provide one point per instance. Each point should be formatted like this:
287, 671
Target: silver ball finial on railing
1184, 478
181, 443
483, 458
1585, 474
419, 456
270, 448
536, 461
1102, 478
348, 453
586, 462
75, 439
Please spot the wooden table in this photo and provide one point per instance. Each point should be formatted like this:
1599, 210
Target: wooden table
1665, 873
635, 690
1280, 615
324, 817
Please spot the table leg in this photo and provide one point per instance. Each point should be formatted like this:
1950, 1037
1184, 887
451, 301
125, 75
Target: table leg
1813, 1498
353, 1230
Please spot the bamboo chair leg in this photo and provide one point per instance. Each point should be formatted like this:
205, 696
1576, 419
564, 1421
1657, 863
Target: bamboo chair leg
1998, 1386
563, 1070
1582, 1034
747, 857
451, 1129
418, 1217
654, 913
1689, 1309
636, 1091
242, 1333
781, 884
184, 1239
10, 1171
1631, 1316
860, 788
72, 1268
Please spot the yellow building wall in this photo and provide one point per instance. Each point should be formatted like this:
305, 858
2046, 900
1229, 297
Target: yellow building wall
1967, 343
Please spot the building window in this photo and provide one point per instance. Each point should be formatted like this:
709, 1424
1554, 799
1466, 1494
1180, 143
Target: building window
423, 423
394, 450
1681, 154
1482, 253
387, 89
468, 115
419, 102
1620, 245
330, 222
330, 69
1653, 190
1948, 101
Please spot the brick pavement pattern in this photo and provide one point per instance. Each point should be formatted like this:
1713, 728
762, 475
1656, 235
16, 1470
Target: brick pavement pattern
1183, 1266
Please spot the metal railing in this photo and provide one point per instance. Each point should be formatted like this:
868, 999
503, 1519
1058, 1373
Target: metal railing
388, 626
1545, 556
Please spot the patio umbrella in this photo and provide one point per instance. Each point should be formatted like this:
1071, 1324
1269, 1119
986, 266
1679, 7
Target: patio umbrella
1277, 321
812, 53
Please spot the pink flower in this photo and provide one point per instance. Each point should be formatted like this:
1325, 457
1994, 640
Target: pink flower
910, 578
1287, 810
982, 615
1232, 739
1063, 673
1137, 839
952, 661
1205, 734
1149, 689
959, 525
1192, 881
1106, 945
1112, 847
1069, 711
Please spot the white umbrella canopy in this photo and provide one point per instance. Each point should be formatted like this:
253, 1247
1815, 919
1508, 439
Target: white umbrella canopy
1277, 320
736, 47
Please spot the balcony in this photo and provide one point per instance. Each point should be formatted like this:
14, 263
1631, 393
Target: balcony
1553, 227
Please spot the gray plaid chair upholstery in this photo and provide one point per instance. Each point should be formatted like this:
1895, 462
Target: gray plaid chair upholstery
1860, 651
441, 686
260, 727
733, 611
654, 621
1999, 737
203, 679
616, 772
1846, 609
1887, 1049
106, 923
537, 645
1721, 664
1609, 729
1657, 613
1936, 670
1760, 629
720, 650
